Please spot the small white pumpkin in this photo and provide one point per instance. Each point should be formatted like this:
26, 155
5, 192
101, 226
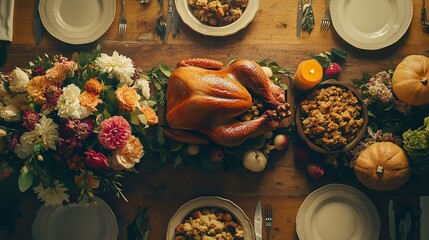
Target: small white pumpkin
254, 160
268, 72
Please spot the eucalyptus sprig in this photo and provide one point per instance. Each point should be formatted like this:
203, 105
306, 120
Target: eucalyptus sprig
307, 22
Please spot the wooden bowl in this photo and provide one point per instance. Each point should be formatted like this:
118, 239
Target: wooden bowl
350, 144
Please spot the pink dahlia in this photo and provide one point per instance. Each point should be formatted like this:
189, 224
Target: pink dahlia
96, 160
114, 133
29, 119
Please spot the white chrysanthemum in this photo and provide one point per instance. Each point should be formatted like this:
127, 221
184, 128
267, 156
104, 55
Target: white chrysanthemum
143, 84
45, 134
52, 195
68, 104
117, 66
19, 80
9, 113
19, 101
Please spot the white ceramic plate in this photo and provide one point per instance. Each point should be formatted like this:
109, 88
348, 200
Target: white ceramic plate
75, 221
218, 202
337, 212
369, 24
185, 12
77, 21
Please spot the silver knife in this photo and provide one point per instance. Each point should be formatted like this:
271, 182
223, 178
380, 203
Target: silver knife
299, 19
37, 23
175, 21
391, 213
170, 16
257, 221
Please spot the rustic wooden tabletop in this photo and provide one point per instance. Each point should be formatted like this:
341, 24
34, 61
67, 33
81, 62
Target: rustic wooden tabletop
270, 35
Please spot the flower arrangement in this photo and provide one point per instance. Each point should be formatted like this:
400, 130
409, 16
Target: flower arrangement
69, 127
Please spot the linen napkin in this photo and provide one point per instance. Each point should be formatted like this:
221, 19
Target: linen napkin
6, 19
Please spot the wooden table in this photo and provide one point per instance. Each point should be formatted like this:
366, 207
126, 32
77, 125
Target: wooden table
270, 35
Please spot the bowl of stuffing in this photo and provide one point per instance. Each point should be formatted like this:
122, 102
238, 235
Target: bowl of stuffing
210, 218
332, 118
217, 17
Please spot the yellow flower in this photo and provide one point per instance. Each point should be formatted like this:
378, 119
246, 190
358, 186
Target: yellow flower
150, 115
36, 89
89, 100
128, 98
126, 157
93, 86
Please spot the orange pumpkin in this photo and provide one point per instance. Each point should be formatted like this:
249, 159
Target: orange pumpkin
382, 166
410, 80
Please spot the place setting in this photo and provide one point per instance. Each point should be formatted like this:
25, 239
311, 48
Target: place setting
77, 22
364, 25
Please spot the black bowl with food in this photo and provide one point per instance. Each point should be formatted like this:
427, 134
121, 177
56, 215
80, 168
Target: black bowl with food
332, 118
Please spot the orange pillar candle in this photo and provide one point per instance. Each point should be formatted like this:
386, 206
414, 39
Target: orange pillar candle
308, 74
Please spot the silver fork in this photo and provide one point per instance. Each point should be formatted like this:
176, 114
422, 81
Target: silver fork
326, 19
122, 20
268, 210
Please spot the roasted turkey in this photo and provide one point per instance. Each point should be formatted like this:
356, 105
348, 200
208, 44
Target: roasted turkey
204, 98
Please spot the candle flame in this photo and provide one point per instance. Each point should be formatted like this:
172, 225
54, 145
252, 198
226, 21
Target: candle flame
312, 71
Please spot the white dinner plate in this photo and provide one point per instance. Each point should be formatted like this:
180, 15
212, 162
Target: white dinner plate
75, 221
337, 212
185, 12
77, 21
207, 202
369, 24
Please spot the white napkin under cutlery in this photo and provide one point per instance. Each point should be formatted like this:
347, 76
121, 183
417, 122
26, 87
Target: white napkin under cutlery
6, 19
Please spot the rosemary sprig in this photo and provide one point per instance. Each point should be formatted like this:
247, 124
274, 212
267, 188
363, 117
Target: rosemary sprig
307, 22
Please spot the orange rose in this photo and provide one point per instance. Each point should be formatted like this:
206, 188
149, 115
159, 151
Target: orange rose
37, 87
93, 86
150, 115
128, 98
128, 156
56, 75
89, 100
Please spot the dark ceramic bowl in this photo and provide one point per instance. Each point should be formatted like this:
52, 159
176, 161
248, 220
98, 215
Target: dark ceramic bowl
363, 113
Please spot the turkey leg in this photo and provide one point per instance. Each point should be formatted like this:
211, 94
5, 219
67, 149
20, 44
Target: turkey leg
252, 77
235, 133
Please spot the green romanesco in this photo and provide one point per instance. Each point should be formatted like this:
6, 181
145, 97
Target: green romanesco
416, 144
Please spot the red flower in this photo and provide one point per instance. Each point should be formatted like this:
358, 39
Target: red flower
114, 133
96, 160
29, 119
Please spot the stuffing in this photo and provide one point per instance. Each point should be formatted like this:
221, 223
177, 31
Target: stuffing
218, 12
209, 224
331, 117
